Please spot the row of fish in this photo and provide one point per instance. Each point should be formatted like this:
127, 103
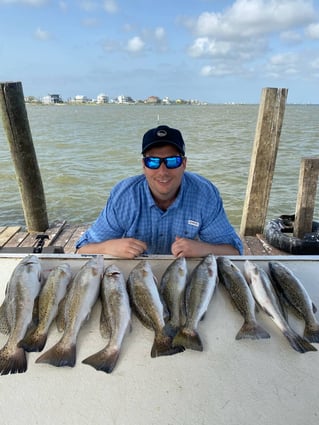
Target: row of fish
172, 309
273, 292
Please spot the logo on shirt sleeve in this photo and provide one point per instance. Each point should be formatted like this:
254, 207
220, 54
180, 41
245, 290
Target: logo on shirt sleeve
193, 223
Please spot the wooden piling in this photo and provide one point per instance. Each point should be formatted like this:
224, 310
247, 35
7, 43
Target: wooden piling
267, 136
16, 126
308, 178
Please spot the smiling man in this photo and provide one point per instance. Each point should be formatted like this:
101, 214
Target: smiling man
166, 210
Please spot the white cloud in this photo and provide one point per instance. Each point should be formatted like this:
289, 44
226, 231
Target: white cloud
284, 64
159, 33
283, 59
111, 45
312, 31
89, 5
240, 39
247, 18
110, 6
135, 45
204, 46
41, 34
291, 37
219, 70
315, 63
63, 5
90, 22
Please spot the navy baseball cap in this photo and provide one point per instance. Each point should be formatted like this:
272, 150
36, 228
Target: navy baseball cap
163, 135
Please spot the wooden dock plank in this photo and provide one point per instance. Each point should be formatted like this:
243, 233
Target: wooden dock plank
7, 234
73, 236
246, 247
53, 232
64, 236
254, 246
16, 240
29, 241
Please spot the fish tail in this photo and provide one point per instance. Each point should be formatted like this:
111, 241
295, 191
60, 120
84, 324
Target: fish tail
162, 346
188, 338
170, 329
12, 363
104, 360
311, 333
252, 330
59, 355
298, 343
33, 342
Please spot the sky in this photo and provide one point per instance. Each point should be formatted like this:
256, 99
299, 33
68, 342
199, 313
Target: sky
209, 50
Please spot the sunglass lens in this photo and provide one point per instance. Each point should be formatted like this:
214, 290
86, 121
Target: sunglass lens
152, 163
173, 161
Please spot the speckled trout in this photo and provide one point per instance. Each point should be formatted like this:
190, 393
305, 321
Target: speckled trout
51, 295
198, 294
81, 297
293, 291
16, 312
172, 289
267, 299
115, 319
148, 307
235, 283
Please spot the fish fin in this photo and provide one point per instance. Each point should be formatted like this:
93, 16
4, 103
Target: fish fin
104, 360
33, 341
162, 346
171, 329
298, 343
314, 308
251, 330
311, 333
12, 363
188, 338
59, 355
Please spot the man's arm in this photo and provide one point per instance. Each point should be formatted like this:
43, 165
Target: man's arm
123, 248
183, 247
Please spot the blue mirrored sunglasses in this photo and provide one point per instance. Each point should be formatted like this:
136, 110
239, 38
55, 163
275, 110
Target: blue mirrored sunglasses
171, 162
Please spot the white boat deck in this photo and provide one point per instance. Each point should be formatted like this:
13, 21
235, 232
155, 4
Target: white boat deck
230, 383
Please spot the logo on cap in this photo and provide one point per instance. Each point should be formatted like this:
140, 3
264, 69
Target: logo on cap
161, 133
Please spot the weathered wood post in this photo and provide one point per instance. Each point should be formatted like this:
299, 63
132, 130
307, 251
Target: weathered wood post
16, 125
268, 130
308, 178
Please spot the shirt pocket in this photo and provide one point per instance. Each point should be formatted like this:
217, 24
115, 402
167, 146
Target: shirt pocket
189, 229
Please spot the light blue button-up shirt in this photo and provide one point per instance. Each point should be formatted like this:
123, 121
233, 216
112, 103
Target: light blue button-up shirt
130, 212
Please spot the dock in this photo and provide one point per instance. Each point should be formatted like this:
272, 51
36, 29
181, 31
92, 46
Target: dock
61, 237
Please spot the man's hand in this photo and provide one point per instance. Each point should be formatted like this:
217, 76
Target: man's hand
183, 247
128, 248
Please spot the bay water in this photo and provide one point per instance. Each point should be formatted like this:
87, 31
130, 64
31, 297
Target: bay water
83, 150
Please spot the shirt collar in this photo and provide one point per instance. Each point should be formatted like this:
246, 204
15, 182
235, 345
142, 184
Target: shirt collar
150, 199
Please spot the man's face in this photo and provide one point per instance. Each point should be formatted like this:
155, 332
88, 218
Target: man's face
164, 183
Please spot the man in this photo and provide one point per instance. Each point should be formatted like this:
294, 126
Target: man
166, 210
